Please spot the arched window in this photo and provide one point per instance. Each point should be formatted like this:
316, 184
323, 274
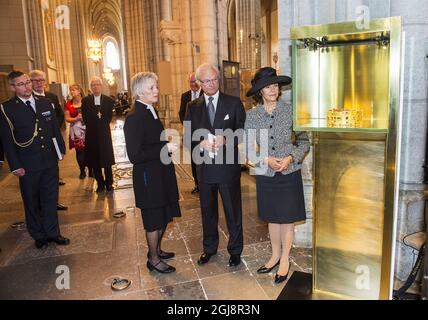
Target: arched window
112, 58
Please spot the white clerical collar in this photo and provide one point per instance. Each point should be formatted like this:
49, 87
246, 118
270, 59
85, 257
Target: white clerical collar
149, 107
39, 94
97, 100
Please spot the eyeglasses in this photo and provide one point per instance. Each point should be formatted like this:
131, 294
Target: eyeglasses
206, 82
21, 84
38, 80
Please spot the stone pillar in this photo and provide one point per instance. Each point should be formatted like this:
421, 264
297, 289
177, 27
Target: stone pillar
207, 32
36, 41
414, 126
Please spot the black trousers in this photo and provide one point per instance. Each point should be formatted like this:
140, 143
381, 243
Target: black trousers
80, 157
103, 180
39, 191
195, 176
232, 204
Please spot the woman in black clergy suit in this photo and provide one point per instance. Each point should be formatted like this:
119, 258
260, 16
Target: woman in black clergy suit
155, 184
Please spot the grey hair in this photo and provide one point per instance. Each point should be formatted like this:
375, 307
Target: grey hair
34, 73
139, 82
96, 78
206, 66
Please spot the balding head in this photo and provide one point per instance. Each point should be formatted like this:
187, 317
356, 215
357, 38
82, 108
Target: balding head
193, 84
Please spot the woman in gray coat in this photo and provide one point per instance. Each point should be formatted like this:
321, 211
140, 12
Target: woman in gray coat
270, 147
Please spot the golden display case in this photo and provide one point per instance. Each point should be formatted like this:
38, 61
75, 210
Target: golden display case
346, 89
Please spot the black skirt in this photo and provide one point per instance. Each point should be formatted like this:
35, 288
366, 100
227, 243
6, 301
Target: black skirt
158, 218
280, 198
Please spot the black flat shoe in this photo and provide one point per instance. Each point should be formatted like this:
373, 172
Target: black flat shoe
263, 269
204, 258
41, 244
279, 278
60, 240
235, 259
163, 255
152, 267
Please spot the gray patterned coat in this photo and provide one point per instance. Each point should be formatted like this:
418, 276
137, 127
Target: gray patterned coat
272, 135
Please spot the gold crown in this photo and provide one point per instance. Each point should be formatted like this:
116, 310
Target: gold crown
344, 118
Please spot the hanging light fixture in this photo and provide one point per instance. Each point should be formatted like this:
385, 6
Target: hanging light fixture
95, 51
109, 76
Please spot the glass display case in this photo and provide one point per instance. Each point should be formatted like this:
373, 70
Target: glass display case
346, 80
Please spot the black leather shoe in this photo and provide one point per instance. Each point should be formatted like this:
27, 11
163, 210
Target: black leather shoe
205, 257
163, 255
279, 278
41, 244
61, 207
60, 240
235, 259
263, 269
152, 267
195, 190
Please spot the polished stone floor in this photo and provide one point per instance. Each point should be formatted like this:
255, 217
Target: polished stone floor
103, 247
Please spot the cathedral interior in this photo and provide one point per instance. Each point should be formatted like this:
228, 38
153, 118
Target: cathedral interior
74, 40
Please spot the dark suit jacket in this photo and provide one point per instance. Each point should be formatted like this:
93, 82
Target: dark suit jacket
98, 143
227, 107
58, 109
1, 151
41, 153
155, 184
185, 99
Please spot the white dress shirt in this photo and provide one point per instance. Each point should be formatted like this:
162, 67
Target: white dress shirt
32, 101
215, 100
195, 94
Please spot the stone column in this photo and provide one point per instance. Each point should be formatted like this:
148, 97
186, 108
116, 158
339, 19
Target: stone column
207, 32
35, 41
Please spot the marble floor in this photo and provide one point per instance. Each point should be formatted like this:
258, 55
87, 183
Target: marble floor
104, 247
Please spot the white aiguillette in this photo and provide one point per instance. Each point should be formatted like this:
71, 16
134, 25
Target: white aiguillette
58, 152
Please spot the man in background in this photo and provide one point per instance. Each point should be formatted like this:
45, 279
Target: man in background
188, 96
38, 80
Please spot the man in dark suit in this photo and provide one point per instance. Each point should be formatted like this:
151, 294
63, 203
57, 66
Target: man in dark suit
38, 79
217, 171
193, 94
97, 112
33, 143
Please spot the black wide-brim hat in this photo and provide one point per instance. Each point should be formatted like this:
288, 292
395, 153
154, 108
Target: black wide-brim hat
265, 77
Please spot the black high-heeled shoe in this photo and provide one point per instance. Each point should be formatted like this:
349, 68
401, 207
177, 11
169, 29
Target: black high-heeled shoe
152, 267
279, 279
263, 269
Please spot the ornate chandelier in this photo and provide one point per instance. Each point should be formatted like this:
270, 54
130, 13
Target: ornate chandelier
109, 76
95, 51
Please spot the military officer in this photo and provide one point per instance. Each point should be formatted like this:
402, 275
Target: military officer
33, 143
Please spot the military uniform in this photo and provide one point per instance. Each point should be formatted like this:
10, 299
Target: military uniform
39, 185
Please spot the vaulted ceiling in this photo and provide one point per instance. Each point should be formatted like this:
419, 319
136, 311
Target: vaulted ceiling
104, 17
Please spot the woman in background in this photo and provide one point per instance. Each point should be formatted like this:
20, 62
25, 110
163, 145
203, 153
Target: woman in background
73, 116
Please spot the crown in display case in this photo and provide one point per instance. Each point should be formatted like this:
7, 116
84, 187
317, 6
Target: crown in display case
344, 118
